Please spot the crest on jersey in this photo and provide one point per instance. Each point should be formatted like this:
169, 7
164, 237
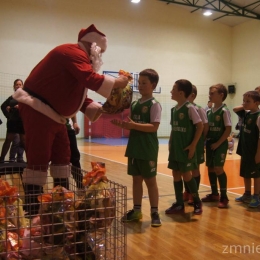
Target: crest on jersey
217, 118
152, 164
249, 121
181, 116
144, 109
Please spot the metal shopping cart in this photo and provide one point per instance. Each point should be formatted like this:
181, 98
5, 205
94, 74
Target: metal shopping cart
78, 224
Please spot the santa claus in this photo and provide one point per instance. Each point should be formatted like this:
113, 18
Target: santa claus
56, 89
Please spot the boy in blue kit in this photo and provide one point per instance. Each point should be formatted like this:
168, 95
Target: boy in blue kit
186, 131
187, 196
249, 147
143, 146
219, 119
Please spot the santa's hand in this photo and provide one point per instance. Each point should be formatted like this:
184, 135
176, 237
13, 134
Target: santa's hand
121, 82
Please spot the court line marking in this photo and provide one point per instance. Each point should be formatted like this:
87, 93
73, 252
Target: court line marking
167, 175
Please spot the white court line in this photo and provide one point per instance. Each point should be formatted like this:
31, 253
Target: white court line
167, 175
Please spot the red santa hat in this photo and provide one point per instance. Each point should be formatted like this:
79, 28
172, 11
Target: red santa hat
92, 34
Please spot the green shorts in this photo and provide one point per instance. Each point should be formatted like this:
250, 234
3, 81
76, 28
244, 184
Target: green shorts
146, 169
249, 169
216, 158
182, 166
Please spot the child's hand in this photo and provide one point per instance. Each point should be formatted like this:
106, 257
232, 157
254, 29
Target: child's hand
117, 122
123, 124
214, 146
191, 149
257, 157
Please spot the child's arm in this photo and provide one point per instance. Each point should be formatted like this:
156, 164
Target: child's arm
238, 108
227, 131
170, 141
257, 156
196, 119
155, 117
131, 125
222, 138
192, 146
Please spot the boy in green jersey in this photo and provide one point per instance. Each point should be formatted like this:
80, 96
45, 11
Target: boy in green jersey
187, 196
249, 147
142, 148
186, 131
219, 119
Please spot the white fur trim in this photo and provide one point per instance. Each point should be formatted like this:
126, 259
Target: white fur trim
92, 110
99, 39
60, 171
22, 96
34, 177
107, 86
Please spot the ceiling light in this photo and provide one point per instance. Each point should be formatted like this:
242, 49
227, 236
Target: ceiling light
135, 1
207, 13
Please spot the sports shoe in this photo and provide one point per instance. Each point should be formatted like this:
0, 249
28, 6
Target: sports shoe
156, 222
190, 200
185, 196
223, 203
175, 208
244, 198
197, 208
255, 202
210, 198
132, 215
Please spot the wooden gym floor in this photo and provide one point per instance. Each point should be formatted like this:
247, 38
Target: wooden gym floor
232, 233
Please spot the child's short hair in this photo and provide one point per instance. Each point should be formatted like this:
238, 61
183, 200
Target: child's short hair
185, 86
151, 74
221, 89
257, 88
194, 90
253, 94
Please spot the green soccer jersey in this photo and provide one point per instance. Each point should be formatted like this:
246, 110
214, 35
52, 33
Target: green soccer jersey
182, 134
142, 145
249, 136
216, 123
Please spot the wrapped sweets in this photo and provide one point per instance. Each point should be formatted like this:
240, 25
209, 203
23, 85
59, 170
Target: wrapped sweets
10, 245
11, 206
119, 99
97, 206
57, 217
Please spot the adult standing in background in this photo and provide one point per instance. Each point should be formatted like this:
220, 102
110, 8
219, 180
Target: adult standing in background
73, 130
10, 109
209, 106
56, 89
17, 150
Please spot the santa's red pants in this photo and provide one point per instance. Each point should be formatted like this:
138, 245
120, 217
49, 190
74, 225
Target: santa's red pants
45, 140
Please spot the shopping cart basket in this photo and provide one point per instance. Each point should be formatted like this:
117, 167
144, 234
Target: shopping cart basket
78, 224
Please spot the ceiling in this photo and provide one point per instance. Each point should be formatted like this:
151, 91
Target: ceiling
228, 12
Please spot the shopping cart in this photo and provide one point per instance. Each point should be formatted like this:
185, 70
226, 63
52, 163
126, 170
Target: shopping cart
78, 224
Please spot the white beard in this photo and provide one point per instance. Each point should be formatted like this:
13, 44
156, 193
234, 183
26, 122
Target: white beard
95, 57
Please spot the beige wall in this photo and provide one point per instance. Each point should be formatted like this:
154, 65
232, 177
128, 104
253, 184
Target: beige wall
152, 34
245, 58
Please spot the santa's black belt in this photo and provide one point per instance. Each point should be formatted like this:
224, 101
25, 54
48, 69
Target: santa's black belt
31, 93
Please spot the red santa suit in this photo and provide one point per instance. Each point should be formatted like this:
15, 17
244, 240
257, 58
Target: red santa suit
57, 89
